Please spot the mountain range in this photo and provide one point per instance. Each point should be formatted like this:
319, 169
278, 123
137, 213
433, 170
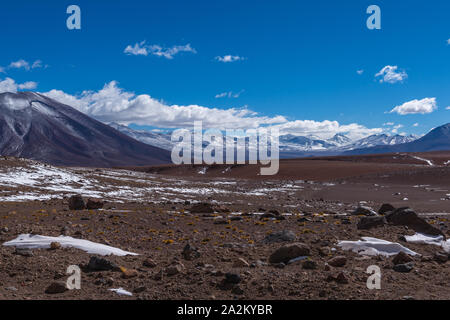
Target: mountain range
36, 127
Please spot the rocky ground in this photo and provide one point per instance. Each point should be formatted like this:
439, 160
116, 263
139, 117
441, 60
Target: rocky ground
203, 238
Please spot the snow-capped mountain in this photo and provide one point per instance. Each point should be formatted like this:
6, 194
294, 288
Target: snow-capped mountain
379, 140
36, 127
437, 139
160, 140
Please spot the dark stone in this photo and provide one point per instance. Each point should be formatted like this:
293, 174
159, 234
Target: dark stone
289, 252
401, 258
385, 208
56, 287
407, 217
365, 211
281, 236
94, 204
404, 268
190, 252
232, 278
101, 264
366, 223
76, 202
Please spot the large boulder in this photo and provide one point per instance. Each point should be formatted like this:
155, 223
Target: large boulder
289, 252
281, 236
365, 211
385, 208
94, 204
366, 223
76, 202
407, 217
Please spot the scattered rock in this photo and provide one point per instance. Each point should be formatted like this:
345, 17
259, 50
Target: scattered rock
404, 268
365, 211
76, 202
338, 261
220, 220
55, 246
401, 258
128, 273
309, 264
149, 263
23, 252
366, 223
94, 204
190, 253
288, 252
341, 278
56, 287
241, 263
101, 264
281, 236
407, 217
440, 257
232, 278
174, 269
385, 208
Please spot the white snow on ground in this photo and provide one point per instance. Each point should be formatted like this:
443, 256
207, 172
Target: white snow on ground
122, 292
426, 239
27, 241
372, 247
430, 163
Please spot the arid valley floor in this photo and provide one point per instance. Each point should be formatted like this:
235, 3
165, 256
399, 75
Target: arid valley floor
227, 215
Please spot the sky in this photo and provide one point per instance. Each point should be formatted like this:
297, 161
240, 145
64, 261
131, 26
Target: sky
308, 67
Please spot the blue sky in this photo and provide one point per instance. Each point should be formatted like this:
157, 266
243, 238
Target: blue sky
297, 59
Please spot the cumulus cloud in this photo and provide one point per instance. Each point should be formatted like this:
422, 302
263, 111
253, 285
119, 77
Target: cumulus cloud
448, 108
229, 94
360, 72
229, 58
326, 129
424, 106
142, 49
391, 74
113, 104
448, 42
416, 124
395, 128
20, 64
23, 64
10, 85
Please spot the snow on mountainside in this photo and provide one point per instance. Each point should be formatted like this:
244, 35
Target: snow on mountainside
288, 142
156, 139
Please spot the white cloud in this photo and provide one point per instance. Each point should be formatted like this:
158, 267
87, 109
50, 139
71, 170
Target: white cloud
416, 124
142, 49
395, 129
448, 108
229, 58
229, 94
10, 85
20, 64
29, 85
391, 74
326, 129
360, 72
388, 124
448, 42
113, 104
424, 106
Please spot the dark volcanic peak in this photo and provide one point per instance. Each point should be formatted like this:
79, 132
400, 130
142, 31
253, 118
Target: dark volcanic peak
437, 139
36, 127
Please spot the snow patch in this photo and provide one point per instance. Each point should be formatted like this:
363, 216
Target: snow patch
372, 247
28, 241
